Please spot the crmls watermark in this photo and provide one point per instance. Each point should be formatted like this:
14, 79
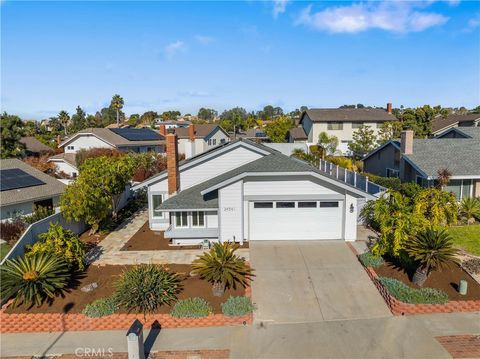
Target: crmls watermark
94, 352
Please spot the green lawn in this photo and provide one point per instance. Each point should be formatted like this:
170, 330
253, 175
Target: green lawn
4, 248
467, 238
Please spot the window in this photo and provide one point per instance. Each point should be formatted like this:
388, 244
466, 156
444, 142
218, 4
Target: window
335, 126
393, 173
328, 204
222, 141
198, 219
74, 174
466, 188
420, 180
181, 219
210, 142
214, 141
307, 204
70, 148
357, 124
263, 205
157, 200
285, 204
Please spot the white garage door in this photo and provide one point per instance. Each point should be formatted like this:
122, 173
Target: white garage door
295, 220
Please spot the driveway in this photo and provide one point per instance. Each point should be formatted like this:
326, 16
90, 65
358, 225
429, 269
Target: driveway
311, 281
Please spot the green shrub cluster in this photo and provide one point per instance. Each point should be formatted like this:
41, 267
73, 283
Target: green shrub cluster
237, 306
191, 308
411, 295
370, 260
101, 307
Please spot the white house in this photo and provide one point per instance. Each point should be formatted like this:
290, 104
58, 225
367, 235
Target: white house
243, 191
122, 139
339, 122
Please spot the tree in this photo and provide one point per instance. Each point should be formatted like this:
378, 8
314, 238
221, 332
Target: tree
389, 131
278, 129
207, 114
443, 177
148, 117
233, 119
327, 144
64, 119
117, 105
30, 128
11, 133
40, 163
364, 141
78, 121
269, 112
170, 115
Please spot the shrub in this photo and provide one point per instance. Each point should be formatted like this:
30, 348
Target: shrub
470, 209
11, 231
32, 279
407, 294
237, 306
62, 243
472, 265
146, 287
191, 308
39, 213
388, 182
370, 260
101, 307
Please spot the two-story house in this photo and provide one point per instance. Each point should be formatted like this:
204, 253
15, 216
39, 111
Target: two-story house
441, 124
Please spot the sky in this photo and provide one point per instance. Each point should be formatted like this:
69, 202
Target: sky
185, 55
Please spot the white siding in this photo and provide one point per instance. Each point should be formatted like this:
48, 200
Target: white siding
85, 142
62, 166
350, 224
231, 212
282, 187
212, 219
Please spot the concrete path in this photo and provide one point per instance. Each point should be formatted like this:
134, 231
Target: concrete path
109, 250
311, 281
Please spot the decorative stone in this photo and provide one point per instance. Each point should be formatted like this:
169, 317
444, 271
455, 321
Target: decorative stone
89, 287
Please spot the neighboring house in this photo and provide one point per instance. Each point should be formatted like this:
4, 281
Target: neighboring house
419, 160
461, 132
34, 147
341, 123
297, 135
122, 139
196, 139
24, 187
255, 134
244, 191
172, 124
288, 148
441, 124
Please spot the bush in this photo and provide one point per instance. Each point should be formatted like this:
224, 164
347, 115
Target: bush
191, 308
237, 306
11, 231
39, 213
146, 287
101, 307
388, 182
407, 294
472, 265
370, 260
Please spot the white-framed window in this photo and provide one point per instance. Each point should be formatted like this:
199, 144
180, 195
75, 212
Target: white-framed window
74, 174
214, 141
157, 200
285, 205
328, 204
222, 141
181, 219
390, 172
198, 219
263, 205
335, 126
70, 148
307, 205
357, 124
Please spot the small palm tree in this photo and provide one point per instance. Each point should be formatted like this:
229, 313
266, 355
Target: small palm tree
117, 104
432, 249
64, 119
32, 279
222, 267
470, 209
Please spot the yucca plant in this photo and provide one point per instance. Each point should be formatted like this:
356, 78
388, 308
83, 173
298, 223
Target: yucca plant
222, 267
470, 209
432, 249
146, 287
32, 279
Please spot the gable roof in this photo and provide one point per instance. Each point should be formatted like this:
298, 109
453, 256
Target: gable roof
51, 187
439, 123
298, 133
348, 115
462, 132
201, 130
34, 145
113, 139
394, 143
66, 157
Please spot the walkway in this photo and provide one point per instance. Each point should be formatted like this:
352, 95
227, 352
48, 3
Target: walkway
109, 250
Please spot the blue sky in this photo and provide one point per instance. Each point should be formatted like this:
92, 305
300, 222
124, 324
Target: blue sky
184, 55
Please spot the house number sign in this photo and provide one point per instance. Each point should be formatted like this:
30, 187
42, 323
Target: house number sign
229, 209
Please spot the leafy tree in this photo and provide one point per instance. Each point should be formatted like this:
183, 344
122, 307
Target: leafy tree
476, 110
207, 114
327, 144
117, 105
389, 131
30, 128
436, 207
420, 119
78, 121
84, 154
134, 119
170, 115
277, 130
233, 119
11, 133
364, 141
269, 112
148, 117
64, 119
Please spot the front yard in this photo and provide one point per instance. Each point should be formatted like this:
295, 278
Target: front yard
466, 238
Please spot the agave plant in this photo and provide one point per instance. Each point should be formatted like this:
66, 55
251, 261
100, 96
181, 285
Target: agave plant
32, 279
470, 209
222, 267
432, 249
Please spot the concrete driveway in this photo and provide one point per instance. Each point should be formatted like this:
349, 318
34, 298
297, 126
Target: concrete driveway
311, 281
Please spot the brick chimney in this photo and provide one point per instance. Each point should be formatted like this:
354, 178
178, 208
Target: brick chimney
191, 132
389, 107
406, 142
163, 130
172, 163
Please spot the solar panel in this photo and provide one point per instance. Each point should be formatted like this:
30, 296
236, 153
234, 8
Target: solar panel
260, 134
137, 134
15, 178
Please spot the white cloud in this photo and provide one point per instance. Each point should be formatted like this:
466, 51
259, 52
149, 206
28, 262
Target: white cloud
473, 23
204, 40
174, 48
279, 7
398, 17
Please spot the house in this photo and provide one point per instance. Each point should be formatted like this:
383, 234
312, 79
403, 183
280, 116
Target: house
297, 135
122, 139
441, 124
245, 191
34, 147
172, 124
341, 123
23, 188
419, 160
461, 132
196, 139
255, 134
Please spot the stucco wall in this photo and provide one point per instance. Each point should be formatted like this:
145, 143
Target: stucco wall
378, 163
85, 142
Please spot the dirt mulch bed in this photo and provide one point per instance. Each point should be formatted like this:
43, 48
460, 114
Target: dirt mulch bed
105, 276
446, 279
147, 240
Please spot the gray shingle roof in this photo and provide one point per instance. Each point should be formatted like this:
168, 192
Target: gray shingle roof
473, 132
112, 138
34, 145
67, 157
51, 188
440, 122
298, 133
349, 115
201, 130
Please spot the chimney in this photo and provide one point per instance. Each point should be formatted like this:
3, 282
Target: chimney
163, 130
406, 142
172, 163
191, 132
389, 107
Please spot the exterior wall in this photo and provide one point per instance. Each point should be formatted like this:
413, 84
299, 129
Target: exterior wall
231, 212
307, 125
85, 142
378, 163
194, 235
476, 188
142, 149
218, 136
62, 166
350, 218
24, 209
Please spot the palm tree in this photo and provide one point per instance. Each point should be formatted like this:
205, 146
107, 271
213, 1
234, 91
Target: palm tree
432, 249
470, 209
443, 177
117, 104
222, 267
64, 119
